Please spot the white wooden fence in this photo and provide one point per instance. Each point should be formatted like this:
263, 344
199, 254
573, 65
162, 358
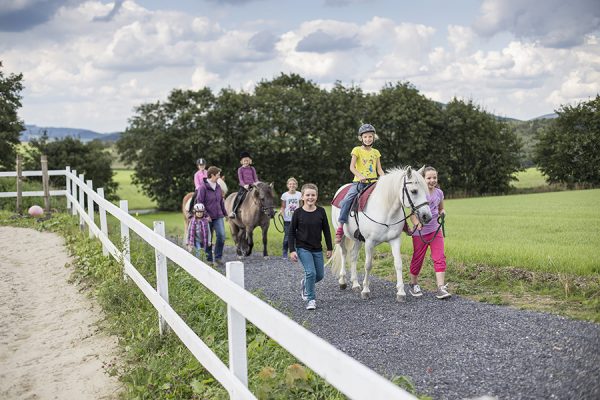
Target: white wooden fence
343, 372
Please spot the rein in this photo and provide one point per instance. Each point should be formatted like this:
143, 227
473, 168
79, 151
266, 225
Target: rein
440, 221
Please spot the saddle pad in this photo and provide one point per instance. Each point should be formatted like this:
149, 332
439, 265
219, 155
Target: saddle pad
362, 201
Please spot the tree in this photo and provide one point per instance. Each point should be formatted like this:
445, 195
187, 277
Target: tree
407, 122
475, 153
568, 150
91, 159
10, 124
164, 140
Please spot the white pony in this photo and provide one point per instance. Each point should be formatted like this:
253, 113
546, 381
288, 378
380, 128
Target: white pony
382, 220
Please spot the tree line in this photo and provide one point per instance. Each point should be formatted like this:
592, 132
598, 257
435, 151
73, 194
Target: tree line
292, 127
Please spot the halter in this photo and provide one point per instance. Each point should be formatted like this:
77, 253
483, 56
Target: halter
264, 209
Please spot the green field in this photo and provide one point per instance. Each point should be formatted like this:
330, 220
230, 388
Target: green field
552, 232
127, 191
530, 178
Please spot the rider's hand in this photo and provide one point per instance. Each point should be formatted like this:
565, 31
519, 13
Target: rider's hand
418, 227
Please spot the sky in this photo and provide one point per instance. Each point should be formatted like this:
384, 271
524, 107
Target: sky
89, 64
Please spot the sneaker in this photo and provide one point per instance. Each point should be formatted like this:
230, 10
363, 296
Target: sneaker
220, 262
415, 290
303, 290
442, 292
339, 234
311, 305
284, 256
232, 215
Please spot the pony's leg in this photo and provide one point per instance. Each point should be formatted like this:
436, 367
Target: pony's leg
353, 262
250, 238
342, 273
395, 245
265, 230
366, 292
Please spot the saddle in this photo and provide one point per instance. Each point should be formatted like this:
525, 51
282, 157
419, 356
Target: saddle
362, 197
358, 204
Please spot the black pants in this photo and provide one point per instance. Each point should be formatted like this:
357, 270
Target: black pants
239, 198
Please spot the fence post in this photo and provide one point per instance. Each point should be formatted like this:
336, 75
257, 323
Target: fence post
68, 186
103, 226
74, 193
45, 183
125, 238
90, 202
81, 203
236, 327
162, 280
19, 206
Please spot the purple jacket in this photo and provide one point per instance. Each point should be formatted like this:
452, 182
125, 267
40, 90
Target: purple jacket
247, 175
212, 200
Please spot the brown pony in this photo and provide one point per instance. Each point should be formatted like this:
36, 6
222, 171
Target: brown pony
185, 206
257, 209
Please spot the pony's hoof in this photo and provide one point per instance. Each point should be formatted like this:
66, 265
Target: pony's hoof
400, 298
356, 288
365, 295
343, 286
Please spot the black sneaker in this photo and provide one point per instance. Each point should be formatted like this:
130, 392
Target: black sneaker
415, 290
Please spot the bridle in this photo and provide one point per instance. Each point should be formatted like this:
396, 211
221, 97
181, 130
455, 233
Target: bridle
413, 208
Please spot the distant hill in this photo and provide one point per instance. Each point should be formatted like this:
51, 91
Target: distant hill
85, 135
547, 116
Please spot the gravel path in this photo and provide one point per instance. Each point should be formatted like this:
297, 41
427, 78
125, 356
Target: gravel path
451, 349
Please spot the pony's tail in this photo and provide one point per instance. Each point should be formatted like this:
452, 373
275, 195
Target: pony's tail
336, 260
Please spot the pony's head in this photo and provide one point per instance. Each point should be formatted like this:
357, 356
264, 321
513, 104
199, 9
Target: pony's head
263, 194
414, 194
410, 187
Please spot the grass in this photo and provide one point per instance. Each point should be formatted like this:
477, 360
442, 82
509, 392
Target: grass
128, 191
530, 178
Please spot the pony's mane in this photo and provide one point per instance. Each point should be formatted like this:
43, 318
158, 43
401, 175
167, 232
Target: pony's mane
390, 184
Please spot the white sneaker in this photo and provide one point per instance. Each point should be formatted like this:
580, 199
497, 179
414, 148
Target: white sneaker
442, 292
312, 304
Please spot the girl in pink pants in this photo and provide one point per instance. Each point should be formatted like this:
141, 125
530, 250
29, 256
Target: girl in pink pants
429, 236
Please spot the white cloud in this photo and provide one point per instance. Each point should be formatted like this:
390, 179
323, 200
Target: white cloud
553, 23
92, 74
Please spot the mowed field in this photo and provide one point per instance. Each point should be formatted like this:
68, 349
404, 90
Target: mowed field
556, 232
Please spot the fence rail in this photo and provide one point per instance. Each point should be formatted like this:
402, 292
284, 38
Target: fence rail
343, 372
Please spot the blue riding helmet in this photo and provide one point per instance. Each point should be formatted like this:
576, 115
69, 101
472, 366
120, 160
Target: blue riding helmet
365, 128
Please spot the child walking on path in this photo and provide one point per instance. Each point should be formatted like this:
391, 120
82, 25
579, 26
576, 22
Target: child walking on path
430, 236
199, 230
290, 201
366, 166
308, 223
246, 176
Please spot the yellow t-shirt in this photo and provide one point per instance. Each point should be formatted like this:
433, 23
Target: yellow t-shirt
366, 162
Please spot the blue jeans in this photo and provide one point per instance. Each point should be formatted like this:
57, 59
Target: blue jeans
219, 227
312, 261
286, 236
347, 202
